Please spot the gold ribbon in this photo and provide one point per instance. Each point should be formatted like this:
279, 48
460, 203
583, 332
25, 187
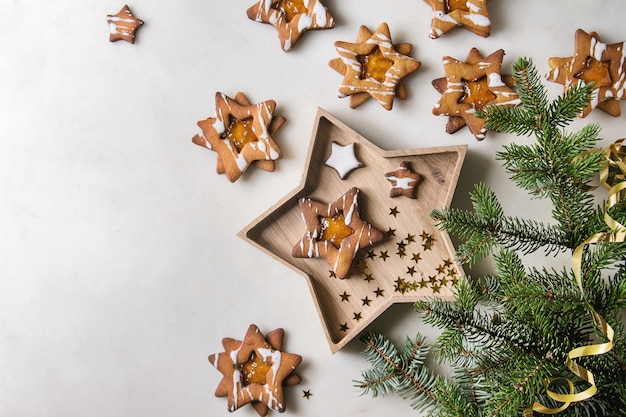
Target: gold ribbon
613, 176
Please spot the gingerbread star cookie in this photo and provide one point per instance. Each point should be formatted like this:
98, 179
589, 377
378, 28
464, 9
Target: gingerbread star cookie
403, 181
373, 67
335, 232
449, 14
597, 62
470, 86
123, 25
241, 134
255, 371
291, 18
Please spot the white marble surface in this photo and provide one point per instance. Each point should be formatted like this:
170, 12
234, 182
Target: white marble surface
120, 266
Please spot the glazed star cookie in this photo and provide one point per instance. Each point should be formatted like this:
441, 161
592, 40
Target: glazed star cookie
403, 181
342, 159
291, 18
255, 370
123, 25
470, 86
241, 134
597, 62
373, 67
335, 232
449, 14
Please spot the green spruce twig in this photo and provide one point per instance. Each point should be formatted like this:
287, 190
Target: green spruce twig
506, 334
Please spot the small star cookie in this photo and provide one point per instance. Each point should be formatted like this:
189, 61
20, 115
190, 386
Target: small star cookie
255, 371
373, 67
291, 18
597, 62
123, 25
342, 159
470, 86
335, 232
241, 134
403, 181
449, 14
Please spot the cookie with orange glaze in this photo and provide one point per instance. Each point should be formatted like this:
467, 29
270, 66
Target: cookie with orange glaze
471, 85
597, 62
335, 232
373, 67
449, 14
241, 134
255, 370
291, 18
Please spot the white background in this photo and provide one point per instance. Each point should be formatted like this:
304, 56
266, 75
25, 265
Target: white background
120, 268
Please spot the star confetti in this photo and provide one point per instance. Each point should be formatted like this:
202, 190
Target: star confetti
241, 134
470, 86
597, 62
255, 370
123, 25
373, 67
291, 18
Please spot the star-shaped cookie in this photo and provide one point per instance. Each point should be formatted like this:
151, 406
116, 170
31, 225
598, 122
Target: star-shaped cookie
403, 181
449, 14
343, 159
373, 67
255, 371
597, 62
123, 25
335, 232
291, 18
241, 134
471, 85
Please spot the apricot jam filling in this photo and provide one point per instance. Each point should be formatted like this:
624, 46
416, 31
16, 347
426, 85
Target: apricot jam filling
254, 370
452, 5
595, 71
374, 65
334, 229
291, 8
239, 132
477, 93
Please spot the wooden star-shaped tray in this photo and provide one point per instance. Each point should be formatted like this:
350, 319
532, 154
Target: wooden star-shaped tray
415, 260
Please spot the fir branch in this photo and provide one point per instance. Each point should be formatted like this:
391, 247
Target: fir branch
398, 371
486, 227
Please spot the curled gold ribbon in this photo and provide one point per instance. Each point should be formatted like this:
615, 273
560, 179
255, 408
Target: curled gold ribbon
613, 176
